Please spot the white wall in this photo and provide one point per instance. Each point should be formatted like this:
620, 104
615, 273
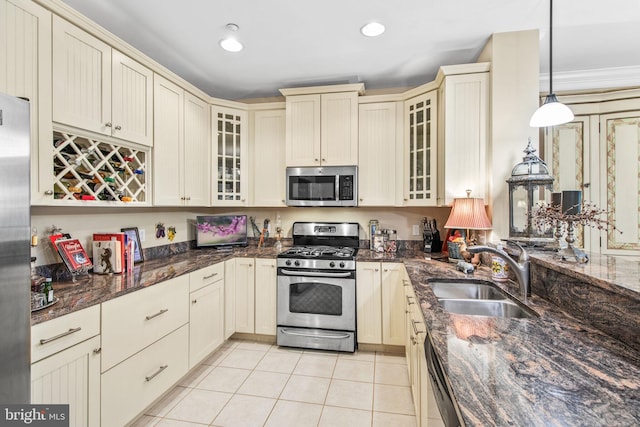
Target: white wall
82, 222
515, 65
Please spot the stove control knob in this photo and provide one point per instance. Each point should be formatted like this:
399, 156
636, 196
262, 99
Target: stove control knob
342, 265
297, 263
332, 264
288, 262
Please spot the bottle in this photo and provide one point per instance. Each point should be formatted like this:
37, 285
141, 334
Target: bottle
373, 227
47, 290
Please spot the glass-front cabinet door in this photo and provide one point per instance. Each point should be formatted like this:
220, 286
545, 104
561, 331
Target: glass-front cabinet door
230, 157
420, 150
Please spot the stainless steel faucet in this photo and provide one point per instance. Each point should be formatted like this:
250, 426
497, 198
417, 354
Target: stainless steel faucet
520, 267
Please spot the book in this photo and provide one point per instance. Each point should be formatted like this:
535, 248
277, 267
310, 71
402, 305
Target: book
73, 254
120, 237
106, 257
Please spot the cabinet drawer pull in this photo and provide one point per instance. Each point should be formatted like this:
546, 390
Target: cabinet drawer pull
152, 376
64, 334
164, 310
209, 276
417, 332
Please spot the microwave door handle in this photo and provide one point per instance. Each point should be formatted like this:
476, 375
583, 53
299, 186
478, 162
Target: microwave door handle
313, 273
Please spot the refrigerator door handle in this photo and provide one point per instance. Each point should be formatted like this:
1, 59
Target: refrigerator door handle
64, 334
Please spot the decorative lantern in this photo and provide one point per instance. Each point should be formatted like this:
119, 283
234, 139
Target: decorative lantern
529, 185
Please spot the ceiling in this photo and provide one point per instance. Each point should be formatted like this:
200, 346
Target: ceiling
292, 43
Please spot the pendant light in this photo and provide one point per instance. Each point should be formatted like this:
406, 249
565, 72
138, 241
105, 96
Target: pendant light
552, 112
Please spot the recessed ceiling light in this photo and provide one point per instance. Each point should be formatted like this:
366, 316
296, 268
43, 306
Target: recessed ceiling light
372, 29
231, 45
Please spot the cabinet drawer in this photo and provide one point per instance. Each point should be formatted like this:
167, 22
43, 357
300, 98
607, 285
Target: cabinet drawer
206, 276
132, 322
63, 332
134, 384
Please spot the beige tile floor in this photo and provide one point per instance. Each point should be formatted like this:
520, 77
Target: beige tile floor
257, 384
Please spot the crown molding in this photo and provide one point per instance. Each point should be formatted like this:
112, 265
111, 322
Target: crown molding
604, 78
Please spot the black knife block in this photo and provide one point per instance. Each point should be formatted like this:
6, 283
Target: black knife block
431, 240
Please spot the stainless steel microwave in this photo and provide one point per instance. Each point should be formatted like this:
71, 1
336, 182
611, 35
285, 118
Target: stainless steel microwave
322, 186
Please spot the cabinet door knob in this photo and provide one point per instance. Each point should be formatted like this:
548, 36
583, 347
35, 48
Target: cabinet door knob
586, 185
118, 127
108, 124
97, 350
48, 193
194, 301
315, 160
324, 160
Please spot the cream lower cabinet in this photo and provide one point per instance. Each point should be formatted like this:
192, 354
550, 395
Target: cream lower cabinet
414, 347
379, 296
244, 292
66, 365
132, 385
229, 298
206, 312
265, 296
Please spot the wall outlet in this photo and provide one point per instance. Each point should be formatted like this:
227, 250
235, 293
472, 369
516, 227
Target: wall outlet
416, 230
141, 234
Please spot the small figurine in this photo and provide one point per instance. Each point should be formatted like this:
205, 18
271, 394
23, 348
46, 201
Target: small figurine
159, 230
171, 233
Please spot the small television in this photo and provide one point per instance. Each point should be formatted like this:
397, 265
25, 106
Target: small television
221, 230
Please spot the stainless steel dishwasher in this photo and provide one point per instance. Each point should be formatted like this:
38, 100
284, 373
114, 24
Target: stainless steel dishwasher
440, 388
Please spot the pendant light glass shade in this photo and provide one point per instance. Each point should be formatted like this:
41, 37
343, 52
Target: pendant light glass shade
551, 113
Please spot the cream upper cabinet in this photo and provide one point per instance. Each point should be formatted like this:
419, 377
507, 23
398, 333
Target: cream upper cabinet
380, 154
420, 150
230, 175
322, 127
25, 71
98, 89
463, 126
265, 296
197, 149
267, 147
181, 150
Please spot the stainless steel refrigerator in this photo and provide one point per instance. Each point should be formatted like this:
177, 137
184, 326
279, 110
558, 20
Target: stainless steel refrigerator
15, 283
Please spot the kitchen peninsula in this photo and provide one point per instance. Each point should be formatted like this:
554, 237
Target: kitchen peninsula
554, 369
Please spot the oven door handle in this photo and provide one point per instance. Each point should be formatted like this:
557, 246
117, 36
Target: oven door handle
330, 336
314, 273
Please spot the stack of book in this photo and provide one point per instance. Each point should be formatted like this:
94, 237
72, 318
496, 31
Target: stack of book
112, 253
72, 253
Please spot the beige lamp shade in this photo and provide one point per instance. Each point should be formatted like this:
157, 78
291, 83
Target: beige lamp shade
468, 213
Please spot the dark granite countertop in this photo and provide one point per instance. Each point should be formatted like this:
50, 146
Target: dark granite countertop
553, 370
94, 289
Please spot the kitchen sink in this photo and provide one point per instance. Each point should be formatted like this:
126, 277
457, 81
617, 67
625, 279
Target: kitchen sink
477, 298
493, 308
466, 290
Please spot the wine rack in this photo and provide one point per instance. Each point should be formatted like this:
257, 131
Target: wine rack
90, 170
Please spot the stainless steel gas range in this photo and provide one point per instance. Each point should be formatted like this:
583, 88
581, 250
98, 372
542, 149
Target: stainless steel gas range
317, 287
